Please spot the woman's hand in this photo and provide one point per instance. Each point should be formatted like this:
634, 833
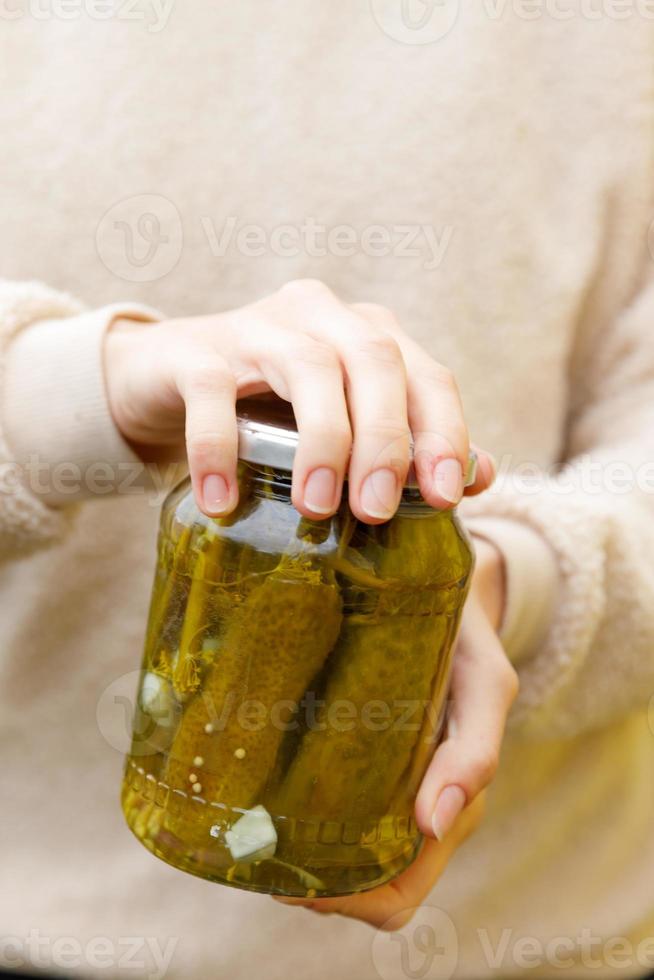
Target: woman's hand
450, 803
360, 389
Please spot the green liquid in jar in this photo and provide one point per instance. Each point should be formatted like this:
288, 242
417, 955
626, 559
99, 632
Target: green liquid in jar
293, 686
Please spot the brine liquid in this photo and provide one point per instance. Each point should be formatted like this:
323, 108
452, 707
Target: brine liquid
290, 701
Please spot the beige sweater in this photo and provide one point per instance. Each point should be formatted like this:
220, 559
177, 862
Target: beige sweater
496, 184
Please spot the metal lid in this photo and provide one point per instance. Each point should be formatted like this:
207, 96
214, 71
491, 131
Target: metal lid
267, 435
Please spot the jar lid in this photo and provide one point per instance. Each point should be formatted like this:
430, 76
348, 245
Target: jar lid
267, 435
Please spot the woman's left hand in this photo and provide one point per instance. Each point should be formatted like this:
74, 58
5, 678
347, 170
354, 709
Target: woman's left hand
450, 803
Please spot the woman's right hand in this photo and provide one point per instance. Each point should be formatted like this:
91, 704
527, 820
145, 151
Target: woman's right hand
360, 387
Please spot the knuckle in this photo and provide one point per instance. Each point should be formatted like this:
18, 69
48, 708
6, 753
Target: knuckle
388, 432
338, 438
307, 353
448, 438
207, 445
379, 347
434, 374
209, 378
485, 764
304, 287
390, 445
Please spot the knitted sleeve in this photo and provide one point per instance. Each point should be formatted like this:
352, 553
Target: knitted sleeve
55, 423
579, 542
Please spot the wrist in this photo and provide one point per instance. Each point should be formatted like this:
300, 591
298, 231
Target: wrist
120, 352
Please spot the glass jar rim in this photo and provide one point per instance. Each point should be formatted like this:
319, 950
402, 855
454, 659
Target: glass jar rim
268, 436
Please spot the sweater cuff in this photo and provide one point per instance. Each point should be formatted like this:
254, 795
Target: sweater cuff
57, 419
532, 583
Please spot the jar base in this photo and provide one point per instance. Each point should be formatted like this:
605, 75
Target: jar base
309, 859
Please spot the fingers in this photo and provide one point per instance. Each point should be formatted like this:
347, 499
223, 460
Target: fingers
208, 389
375, 380
441, 444
308, 373
378, 406
484, 686
359, 388
435, 415
324, 440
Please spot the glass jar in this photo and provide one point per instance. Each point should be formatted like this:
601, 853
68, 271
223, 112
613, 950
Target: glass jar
294, 681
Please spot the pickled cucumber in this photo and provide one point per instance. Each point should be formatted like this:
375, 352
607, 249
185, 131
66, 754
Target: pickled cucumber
230, 731
389, 671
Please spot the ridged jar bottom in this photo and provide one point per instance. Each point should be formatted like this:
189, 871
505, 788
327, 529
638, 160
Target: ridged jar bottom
312, 858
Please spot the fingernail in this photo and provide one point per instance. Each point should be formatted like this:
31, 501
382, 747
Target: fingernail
380, 494
215, 493
448, 480
448, 807
320, 490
